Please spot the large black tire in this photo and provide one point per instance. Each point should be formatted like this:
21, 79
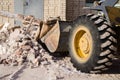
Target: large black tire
102, 44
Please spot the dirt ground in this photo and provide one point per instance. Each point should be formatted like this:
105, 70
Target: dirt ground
20, 47
56, 69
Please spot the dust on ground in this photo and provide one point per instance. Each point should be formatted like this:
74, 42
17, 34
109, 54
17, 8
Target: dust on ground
23, 58
56, 69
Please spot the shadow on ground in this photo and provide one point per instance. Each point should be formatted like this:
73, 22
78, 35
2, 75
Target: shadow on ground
115, 68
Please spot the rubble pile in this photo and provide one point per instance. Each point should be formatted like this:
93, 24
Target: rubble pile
19, 45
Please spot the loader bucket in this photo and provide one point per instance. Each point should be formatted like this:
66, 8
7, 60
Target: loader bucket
57, 37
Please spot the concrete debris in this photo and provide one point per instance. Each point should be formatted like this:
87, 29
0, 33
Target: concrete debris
19, 45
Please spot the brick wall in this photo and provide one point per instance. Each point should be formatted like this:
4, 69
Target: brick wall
54, 8
7, 5
74, 8
66, 9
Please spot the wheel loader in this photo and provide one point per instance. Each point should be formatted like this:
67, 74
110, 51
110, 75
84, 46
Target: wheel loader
92, 40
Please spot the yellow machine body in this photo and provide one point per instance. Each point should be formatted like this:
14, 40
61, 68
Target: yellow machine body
114, 15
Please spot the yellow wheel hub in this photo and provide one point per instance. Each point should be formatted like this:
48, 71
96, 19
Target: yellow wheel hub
83, 43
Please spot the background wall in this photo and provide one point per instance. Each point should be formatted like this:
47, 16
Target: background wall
7, 5
66, 9
29, 7
43, 9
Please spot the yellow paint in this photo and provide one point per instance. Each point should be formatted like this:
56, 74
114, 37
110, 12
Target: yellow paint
113, 13
83, 44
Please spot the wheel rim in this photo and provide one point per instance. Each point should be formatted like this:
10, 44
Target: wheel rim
83, 43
